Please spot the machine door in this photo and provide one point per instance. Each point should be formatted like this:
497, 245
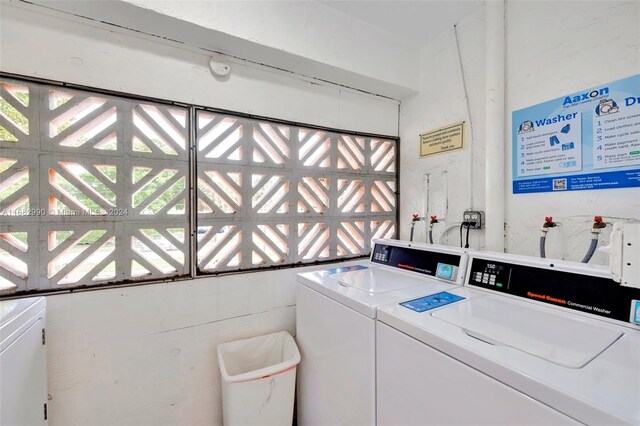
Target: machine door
336, 376
377, 280
418, 385
23, 388
565, 340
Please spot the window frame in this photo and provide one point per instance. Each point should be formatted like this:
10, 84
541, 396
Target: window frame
191, 235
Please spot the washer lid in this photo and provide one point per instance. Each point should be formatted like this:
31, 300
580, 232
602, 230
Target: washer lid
376, 280
6, 308
11, 309
567, 341
18, 315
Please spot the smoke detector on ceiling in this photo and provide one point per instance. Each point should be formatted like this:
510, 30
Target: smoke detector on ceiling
218, 68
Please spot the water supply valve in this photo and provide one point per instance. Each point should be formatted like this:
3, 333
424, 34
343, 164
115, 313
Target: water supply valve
598, 223
416, 218
548, 223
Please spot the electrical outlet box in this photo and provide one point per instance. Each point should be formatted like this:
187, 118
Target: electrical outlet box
474, 216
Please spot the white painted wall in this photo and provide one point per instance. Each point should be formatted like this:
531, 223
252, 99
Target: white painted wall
552, 50
304, 28
146, 355
308, 38
440, 103
576, 45
61, 48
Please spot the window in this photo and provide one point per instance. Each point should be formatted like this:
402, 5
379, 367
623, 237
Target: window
273, 194
95, 189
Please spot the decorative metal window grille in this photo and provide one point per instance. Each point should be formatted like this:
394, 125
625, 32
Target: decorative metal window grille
95, 189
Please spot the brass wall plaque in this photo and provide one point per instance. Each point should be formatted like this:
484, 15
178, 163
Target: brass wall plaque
444, 139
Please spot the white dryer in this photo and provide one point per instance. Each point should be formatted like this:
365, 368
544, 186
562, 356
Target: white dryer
23, 362
526, 341
335, 325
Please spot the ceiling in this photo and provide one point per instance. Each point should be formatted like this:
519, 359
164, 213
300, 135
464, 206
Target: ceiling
413, 21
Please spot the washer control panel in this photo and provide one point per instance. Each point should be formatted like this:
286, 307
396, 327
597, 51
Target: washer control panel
592, 294
435, 263
492, 274
381, 253
635, 312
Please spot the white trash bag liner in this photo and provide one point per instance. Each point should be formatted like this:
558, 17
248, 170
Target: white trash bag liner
259, 380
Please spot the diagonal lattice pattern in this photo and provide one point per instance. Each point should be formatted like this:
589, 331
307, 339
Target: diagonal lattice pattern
270, 244
314, 149
94, 254
271, 144
97, 189
269, 193
383, 156
351, 153
313, 240
290, 193
82, 189
220, 246
313, 195
159, 131
75, 254
158, 189
88, 171
351, 238
157, 251
221, 138
382, 229
383, 196
18, 194
81, 122
15, 242
351, 196
219, 191
19, 118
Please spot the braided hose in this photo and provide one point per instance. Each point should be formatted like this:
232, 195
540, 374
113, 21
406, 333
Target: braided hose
592, 249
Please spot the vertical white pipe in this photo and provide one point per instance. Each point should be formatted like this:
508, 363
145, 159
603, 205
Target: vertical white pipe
469, 123
425, 191
495, 126
445, 179
425, 205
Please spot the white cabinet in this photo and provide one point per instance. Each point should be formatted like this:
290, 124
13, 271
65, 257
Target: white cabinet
23, 363
418, 385
336, 375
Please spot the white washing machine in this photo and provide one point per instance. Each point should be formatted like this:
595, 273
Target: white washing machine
335, 325
23, 362
526, 341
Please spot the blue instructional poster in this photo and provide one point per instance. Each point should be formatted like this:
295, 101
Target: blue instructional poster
585, 140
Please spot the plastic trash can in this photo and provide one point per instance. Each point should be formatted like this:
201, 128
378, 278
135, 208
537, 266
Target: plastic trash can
258, 380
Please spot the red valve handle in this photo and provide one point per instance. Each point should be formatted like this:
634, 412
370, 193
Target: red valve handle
597, 219
548, 219
416, 215
434, 217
